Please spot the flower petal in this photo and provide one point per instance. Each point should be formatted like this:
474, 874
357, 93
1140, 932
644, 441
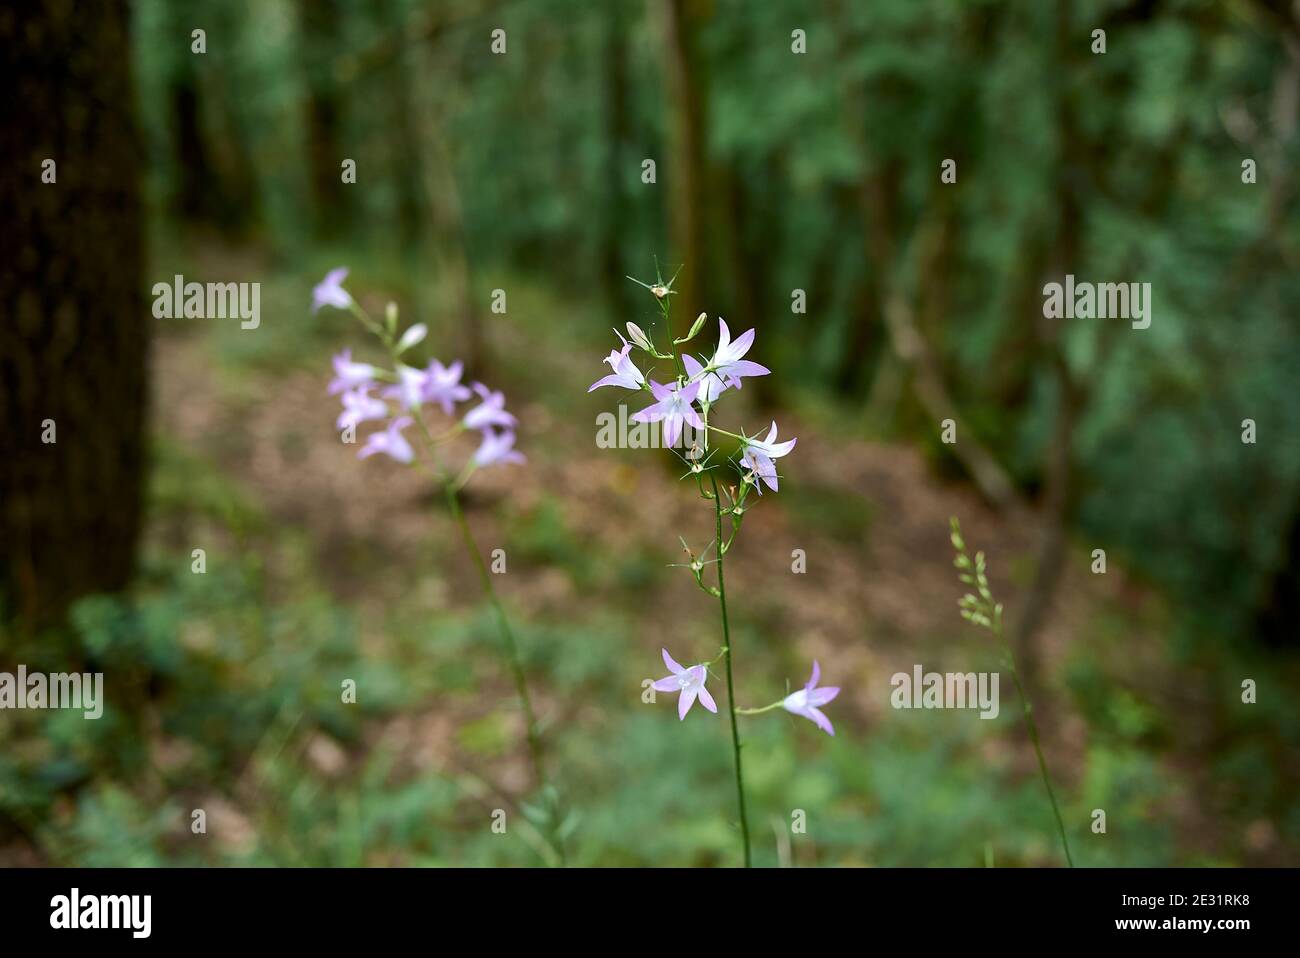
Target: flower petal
742, 344
823, 696
743, 367
822, 721
672, 429
685, 702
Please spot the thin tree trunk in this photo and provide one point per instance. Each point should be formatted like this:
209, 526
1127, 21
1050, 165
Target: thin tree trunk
320, 26
1058, 483
612, 272
449, 237
194, 198
686, 172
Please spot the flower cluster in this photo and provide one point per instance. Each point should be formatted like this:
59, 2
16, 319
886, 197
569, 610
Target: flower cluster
399, 396
367, 391
684, 404
700, 382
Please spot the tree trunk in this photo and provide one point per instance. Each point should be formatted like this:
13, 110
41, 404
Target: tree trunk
320, 27
74, 341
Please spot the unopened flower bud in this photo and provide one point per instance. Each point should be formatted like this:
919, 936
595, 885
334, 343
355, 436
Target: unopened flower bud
638, 337
411, 337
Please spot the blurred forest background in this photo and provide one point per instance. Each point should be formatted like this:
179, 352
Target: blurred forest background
776, 171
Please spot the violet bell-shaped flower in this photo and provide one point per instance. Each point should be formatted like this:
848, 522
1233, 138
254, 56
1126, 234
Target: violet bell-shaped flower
410, 387
497, 447
442, 385
689, 682
490, 412
349, 375
359, 406
390, 442
758, 455
330, 291
728, 366
809, 699
625, 373
673, 408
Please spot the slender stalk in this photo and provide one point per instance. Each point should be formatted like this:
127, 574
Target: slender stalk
984, 611
760, 711
1028, 710
451, 488
721, 593
507, 635
731, 693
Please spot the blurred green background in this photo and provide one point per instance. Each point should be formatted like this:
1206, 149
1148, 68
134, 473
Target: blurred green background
776, 172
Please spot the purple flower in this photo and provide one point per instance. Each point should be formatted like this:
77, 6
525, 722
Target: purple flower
359, 406
390, 442
807, 700
350, 375
758, 455
330, 291
410, 387
491, 412
673, 407
442, 385
727, 364
710, 385
497, 447
625, 373
689, 682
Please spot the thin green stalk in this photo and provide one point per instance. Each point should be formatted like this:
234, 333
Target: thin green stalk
512, 654
1028, 709
731, 693
983, 611
721, 592
507, 635
760, 711
451, 487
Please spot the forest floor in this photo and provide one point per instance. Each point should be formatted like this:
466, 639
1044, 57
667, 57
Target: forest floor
879, 594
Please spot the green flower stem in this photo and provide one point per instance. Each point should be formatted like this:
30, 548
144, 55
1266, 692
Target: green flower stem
513, 659
731, 693
721, 593
507, 635
765, 708
724, 432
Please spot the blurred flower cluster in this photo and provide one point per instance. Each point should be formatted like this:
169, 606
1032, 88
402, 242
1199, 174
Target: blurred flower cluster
398, 397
